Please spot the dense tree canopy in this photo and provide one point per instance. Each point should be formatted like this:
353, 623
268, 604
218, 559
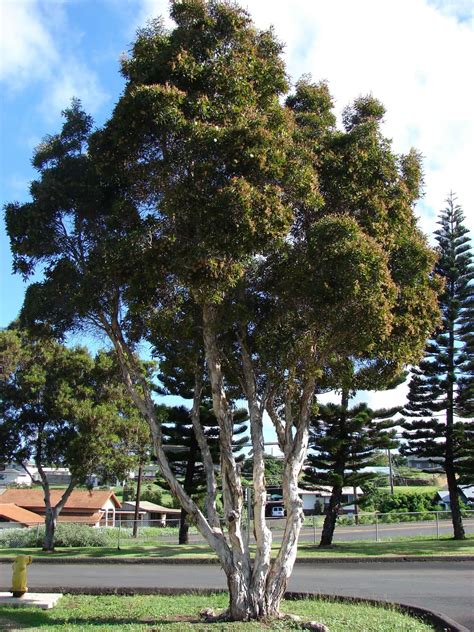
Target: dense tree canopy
60, 407
291, 245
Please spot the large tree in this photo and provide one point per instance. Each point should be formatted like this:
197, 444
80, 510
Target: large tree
294, 241
441, 389
343, 442
60, 407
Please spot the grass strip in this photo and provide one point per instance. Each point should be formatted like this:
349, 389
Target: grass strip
181, 612
420, 546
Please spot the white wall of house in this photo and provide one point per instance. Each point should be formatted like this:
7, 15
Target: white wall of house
12, 474
109, 514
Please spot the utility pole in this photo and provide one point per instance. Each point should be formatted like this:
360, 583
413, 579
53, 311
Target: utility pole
356, 506
137, 502
390, 470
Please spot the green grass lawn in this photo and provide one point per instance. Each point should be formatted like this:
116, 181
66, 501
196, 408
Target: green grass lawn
181, 612
421, 545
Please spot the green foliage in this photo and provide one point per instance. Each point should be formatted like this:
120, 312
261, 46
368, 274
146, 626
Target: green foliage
152, 494
66, 535
442, 385
273, 470
62, 407
399, 502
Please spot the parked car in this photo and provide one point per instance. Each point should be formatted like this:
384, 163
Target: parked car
278, 512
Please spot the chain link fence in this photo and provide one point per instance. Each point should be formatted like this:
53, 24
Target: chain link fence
373, 527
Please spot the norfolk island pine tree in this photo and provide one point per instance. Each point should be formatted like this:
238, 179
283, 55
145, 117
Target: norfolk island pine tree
442, 385
205, 187
183, 450
346, 440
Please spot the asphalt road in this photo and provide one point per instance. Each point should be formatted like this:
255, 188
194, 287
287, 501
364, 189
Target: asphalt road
360, 532
446, 587
385, 531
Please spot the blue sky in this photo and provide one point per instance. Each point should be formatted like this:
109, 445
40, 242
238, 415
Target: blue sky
414, 55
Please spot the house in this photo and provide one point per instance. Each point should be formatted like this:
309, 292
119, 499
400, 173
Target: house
314, 500
55, 475
149, 472
427, 464
13, 516
466, 495
14, 474
468, 492
150, 514
321, 496
95, 508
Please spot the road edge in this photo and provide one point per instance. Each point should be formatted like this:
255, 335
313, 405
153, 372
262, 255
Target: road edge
209, 560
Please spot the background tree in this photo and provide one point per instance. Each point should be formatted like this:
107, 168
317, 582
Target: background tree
442, 386
184, 454
60, 407
343, 441
204, 187
274, 467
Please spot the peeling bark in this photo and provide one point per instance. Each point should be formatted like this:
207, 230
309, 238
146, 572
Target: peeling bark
257, 586
140, 393
208, 464
231, 484
263, 535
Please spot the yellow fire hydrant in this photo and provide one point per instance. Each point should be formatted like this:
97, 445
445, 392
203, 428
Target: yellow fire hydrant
20, 564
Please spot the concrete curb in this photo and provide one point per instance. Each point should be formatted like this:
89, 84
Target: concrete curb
430, 616
211, 560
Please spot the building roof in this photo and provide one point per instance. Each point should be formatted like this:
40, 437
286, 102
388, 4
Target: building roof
151, 507
87, 519
78, 500
468, 491
13, 513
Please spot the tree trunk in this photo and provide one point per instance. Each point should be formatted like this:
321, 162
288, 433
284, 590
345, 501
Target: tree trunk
183, 537
456, 516
50, 522
51, 513
255, 590
331, 517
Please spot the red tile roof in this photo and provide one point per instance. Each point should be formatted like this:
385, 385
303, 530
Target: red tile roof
78, 500
13, 513
88, 519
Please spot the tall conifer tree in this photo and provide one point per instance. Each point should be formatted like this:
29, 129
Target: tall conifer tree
346, 440
441, 387
184, 454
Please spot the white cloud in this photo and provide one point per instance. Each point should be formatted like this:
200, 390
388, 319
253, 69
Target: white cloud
26, 48
34, 50
73, 80
411, 56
